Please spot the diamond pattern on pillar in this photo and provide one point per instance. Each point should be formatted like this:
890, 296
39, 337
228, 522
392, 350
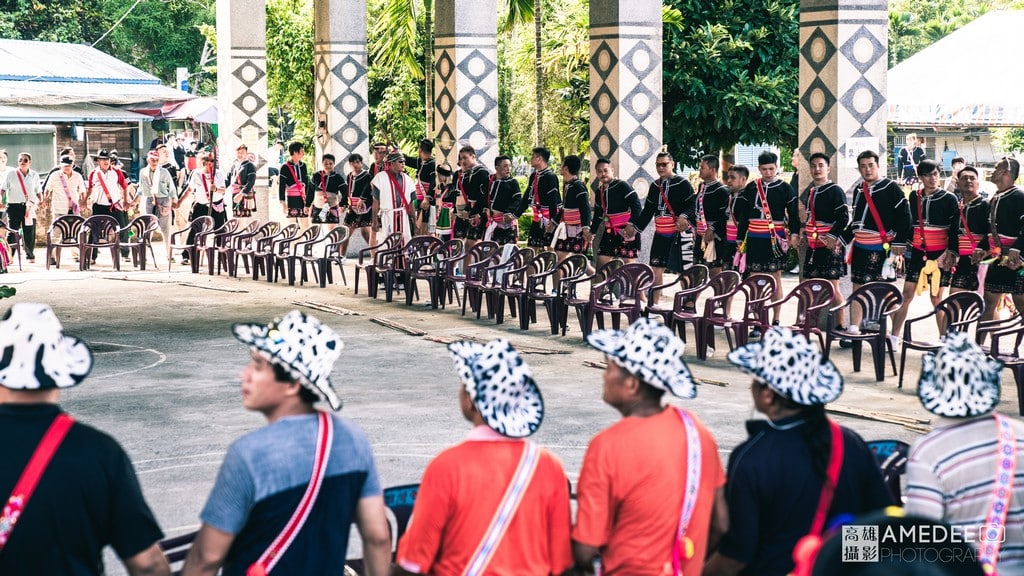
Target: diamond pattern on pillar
823, 143
639, 180
477, 103
604, 144
817, 100
603, 103
476, 66
818, 50
480, 138
444, 103
862, 100
641, 102
640, 145
249, 102
640, 60
248, 73
444, 66
445, 139
603, 60
862, 49
350, 135
349, 69
349, 103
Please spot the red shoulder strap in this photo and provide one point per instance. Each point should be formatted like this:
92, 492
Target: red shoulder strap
835, 463
32, 473
874, 214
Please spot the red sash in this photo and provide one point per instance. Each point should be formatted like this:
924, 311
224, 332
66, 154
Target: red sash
30, 476
813, 231
21, 180
538, 210
296, 189
806, 548
572, 217
882, 234
666, 225
937, 238
277, 548
113, 206
702, 223
966, 242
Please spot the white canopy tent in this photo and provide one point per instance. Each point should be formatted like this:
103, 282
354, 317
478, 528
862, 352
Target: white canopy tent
968, 78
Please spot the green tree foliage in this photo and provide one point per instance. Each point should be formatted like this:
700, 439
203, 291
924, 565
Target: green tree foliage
290, 69
157, 37
916, 24
730, 75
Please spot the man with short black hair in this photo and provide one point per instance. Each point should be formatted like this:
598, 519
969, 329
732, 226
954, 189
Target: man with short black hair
933, 213
86, 496
1005, 238
957, 164
672, 204
543, 198
471, 184
357, 198
736, 179
426, 180
251, 521
327, 193
380, 154
242, 182
617, 208
20, 192
968, 235
393, 193
768, 222
293, 189
575, 209
828, 215
879, 225
710, 214
503, 198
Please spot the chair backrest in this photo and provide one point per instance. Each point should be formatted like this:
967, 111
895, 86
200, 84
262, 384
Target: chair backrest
723, 285
400, 500
877, 300
891, 457
267, 230
693, 276
572, 266
67, 226
421, 246
606, 270
202, 224
543, 263
309, 234
142, 227
176, 549
102, 224
229, 227
391, 242
962, 309
631, 280
453, 248
481, 255
758, 289
333, 238
812, 297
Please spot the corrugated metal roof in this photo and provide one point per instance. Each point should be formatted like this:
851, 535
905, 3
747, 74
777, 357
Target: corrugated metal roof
47, 73
81, 112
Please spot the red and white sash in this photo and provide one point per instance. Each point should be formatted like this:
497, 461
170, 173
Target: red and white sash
682, 547
995, 519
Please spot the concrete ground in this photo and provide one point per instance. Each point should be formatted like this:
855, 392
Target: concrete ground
165, 382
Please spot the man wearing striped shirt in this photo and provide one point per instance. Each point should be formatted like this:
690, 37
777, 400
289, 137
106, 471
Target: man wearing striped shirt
965, 471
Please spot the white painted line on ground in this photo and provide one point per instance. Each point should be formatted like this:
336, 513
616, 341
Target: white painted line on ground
161, 358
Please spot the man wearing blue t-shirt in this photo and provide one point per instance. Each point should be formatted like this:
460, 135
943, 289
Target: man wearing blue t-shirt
265, 510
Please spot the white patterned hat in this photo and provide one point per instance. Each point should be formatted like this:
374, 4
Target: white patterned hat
501, 386
651, 352
959, 380
789, 365
35, 354
301, 344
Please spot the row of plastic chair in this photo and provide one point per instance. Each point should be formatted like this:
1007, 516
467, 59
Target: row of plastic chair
101, 232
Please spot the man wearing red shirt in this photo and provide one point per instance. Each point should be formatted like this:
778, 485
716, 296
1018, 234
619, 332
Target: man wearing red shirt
495, 503
651, 491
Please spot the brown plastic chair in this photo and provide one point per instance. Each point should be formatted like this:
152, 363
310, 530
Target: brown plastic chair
245, 246
420, 258
517, 283
813, 297
62, 233
367, 262
695, 276
99, 232
140, 237
217, 252
476, 272
330, 254
758, 291
490, 289
202, 226
286, 251
572, 298
962, 310
263, 253
569, 269
1001, 331
877, 301
453, 251
724, 283
618, 295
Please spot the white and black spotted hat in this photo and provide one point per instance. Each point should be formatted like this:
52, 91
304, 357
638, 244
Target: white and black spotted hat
959, 380
501, 386
789, 365
300, 343
35, 354
651, 352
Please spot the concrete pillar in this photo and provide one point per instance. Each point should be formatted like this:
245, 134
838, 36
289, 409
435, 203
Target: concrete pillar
340, 81
466, 78
625, 87
242, 86
843, 65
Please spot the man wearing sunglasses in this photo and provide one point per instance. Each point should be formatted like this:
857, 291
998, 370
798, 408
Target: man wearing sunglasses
20, 196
